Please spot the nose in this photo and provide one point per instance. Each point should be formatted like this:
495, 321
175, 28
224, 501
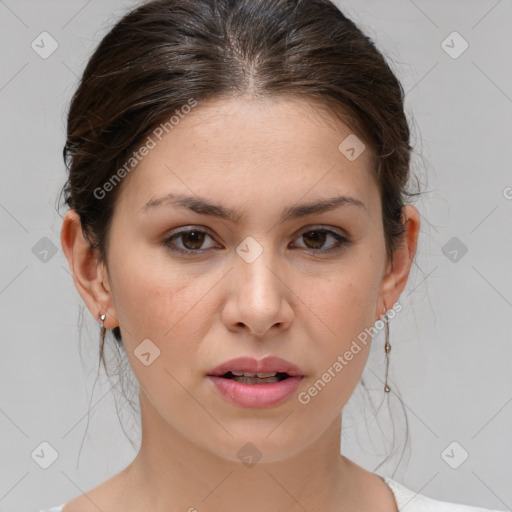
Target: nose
258, 296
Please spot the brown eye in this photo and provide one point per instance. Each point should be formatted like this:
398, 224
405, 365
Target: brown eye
315, 240
192, 241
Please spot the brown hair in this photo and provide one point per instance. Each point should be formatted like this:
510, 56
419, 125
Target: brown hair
165, 52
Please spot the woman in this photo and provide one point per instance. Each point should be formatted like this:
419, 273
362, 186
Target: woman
237, 185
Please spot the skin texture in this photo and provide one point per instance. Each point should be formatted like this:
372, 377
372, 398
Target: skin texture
257, 157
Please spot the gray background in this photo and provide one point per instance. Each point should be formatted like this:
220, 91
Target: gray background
452, 348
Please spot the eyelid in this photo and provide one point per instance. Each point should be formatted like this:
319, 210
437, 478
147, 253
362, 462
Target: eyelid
189, 227
323, 227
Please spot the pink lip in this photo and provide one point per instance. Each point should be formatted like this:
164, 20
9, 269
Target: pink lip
256, 395
266, 365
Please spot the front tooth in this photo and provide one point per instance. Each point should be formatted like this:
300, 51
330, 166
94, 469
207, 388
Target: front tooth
260, 375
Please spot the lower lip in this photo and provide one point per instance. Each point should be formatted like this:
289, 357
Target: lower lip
256, 395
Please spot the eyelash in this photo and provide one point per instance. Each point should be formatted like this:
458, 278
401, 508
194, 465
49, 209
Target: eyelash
341, 241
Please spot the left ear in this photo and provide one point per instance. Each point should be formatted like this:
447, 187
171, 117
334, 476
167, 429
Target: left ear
397, 273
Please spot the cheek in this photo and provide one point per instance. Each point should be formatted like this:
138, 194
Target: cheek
345, 305
149, 292
155, 299
346, 300
341, 352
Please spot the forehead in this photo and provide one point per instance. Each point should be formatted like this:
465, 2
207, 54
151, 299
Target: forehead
234, 148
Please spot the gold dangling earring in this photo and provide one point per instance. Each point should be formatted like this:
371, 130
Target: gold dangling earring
387, 350
103, 332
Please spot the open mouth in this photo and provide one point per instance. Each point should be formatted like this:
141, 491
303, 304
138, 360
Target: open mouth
255, 378
246, 382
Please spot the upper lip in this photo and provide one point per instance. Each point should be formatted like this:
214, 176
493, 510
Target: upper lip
268, 364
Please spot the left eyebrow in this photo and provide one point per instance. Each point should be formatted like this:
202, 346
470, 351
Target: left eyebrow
205, 207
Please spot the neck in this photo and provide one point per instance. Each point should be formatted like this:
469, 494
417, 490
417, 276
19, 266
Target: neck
172, 473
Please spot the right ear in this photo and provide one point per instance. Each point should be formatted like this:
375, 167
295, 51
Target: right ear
88, 273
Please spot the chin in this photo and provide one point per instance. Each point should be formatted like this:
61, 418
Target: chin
258, 448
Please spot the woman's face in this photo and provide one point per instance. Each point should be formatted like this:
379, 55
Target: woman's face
251, 285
